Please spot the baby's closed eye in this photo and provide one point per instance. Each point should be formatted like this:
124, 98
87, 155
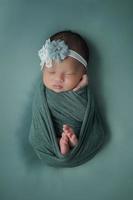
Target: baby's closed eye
53, 72
70, 74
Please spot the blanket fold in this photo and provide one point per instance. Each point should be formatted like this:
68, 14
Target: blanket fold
67, 108
50, 111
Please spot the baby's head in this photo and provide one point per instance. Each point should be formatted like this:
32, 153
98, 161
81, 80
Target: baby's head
66, 74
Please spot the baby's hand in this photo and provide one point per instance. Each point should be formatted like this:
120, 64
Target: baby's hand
82, 83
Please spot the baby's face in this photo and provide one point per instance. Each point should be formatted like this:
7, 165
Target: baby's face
63, 76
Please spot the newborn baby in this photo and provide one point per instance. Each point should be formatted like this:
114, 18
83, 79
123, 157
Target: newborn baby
70, 74
66, 127
67, 75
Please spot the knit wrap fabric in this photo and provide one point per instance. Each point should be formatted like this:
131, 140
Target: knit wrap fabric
50, 110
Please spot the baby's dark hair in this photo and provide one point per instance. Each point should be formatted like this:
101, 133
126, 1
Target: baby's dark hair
74, 41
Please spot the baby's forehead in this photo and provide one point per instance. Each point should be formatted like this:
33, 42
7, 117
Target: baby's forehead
68, 64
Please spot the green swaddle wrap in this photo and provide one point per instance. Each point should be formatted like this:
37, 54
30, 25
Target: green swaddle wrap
50, 110
67, 108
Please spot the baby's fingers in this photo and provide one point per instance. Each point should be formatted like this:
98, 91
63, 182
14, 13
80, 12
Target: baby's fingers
76, 88
84, 80
82, 83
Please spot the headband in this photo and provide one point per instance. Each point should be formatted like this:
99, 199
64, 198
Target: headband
57, 50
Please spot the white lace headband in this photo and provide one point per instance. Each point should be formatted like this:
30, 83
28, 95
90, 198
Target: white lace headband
57, 50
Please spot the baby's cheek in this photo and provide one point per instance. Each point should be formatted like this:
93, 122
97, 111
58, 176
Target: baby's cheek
71, 82
46, 80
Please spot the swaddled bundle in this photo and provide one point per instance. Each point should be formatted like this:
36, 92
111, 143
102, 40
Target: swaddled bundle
79, 110
56, 103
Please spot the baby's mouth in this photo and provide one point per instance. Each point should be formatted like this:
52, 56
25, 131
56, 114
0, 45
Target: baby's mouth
58, 86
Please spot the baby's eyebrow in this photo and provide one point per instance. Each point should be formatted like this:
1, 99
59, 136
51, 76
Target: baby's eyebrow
49, 70
65, 71
70, 72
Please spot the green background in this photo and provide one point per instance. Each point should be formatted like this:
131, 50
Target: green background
108, 26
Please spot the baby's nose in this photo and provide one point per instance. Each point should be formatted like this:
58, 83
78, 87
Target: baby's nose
59, 78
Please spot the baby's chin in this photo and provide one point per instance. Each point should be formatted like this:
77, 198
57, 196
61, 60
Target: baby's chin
58, 90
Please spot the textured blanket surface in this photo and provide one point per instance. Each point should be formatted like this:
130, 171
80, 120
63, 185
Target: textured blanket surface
67, 108
50, 110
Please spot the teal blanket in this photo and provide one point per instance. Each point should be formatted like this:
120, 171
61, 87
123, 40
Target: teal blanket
50, 110
67, 108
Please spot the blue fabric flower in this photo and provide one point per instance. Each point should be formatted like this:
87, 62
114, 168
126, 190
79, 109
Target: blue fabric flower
55, 50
